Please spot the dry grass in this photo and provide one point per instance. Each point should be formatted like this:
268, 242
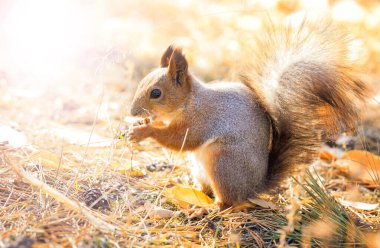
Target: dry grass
73, 119
46, 204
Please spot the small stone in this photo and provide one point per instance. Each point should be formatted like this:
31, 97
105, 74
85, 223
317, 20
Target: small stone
158, 166
151, 167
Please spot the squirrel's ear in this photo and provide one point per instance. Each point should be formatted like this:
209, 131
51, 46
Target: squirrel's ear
166, 56
178, 67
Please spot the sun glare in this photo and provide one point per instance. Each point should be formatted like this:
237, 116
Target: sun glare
42, 36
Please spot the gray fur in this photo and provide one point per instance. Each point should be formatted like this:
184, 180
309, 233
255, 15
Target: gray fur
239, 126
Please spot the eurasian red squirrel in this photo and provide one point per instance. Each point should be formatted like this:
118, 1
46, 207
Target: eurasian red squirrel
246, 136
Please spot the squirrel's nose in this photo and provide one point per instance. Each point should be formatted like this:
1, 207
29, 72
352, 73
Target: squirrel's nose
134, 111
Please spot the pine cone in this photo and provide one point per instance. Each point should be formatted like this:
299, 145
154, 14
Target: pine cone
22, 242
94, 198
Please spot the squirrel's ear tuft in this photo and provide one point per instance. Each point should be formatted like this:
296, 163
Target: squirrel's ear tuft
166, 56
178, 67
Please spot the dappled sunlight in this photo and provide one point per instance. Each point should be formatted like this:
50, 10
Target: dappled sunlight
69, 176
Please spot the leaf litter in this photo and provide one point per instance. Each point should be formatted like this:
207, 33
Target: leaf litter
68, 178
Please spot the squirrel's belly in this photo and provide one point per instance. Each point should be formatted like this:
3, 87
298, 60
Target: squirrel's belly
197, 158
197, 170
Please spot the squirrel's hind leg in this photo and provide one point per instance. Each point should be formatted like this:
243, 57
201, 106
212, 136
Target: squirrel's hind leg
234, 174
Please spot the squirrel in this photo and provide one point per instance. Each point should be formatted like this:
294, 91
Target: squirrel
245, 137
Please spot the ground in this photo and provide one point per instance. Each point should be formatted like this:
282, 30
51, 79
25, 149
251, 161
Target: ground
68, 176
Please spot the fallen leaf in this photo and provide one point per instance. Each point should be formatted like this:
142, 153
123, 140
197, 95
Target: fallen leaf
189, 195
354, 170
359, 205
183, 205
158, 212
363, 157
161, 213
372, 240
121, 168
361, 165
262, 203
326, 155
136, 173
241, 206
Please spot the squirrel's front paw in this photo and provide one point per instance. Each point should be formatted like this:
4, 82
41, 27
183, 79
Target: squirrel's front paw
140, 122
138, 133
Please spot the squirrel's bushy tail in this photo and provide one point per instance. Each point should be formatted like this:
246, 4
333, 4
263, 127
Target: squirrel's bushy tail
304, 79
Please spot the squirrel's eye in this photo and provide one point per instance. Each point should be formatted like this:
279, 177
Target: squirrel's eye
156, 93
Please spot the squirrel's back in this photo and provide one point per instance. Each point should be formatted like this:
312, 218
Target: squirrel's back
304, 78
227, 104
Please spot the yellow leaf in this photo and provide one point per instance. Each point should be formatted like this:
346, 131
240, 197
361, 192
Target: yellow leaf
361, 165
354, 170
262, 203
183, 205
137, 173
242, 206
327, 156
372, 240
121, 168
189, 195
364, 158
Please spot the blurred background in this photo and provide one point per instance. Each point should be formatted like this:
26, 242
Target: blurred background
68, 61
68, 71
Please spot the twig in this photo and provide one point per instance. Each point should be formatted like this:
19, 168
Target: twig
73, 205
